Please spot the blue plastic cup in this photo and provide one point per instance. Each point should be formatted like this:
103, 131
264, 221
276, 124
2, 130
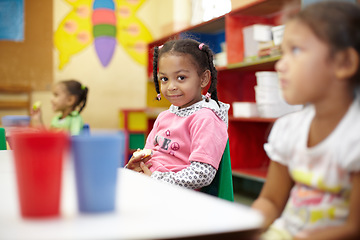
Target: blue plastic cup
96, 160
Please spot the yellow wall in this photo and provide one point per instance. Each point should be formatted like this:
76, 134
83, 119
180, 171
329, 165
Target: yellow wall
122, 84
241, 3
28, 62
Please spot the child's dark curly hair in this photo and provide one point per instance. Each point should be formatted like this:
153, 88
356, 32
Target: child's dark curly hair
202, 57
77, 89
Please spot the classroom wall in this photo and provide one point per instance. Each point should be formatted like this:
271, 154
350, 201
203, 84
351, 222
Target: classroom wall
30, 61
241, 3
120, 85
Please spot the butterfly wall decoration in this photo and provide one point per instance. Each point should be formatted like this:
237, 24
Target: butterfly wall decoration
103, 24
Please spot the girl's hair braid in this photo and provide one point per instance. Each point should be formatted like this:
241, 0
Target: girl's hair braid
201, 54
79, 91
212, 89
155, 75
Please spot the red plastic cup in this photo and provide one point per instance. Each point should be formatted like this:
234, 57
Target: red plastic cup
38, 163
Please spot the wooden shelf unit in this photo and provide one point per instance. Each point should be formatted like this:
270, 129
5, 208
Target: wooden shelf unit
251, 119
237, 79
256, 174
19, 97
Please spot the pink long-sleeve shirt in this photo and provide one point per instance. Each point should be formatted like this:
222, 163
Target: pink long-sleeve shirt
179, 139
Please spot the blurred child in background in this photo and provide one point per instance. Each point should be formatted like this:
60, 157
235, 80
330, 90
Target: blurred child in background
69, 99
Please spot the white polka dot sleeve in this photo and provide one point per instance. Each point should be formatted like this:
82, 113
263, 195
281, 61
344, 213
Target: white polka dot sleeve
195, 176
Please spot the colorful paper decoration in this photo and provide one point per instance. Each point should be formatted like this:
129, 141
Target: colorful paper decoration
104, 23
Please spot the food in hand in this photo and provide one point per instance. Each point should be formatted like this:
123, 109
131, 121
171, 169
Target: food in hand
36, 105
147, 152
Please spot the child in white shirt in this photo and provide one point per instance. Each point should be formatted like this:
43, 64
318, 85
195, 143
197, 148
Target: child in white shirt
313, 183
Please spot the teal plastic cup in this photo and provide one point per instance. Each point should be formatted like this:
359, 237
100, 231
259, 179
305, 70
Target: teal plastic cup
97, 159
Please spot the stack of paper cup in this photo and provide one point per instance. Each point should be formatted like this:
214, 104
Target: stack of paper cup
268, 96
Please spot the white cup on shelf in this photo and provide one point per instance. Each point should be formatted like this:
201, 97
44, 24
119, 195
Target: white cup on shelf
267, 94
245, 109
267, 79
269, 100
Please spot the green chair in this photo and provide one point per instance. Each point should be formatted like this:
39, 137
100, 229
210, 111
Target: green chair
222, 185
2, 139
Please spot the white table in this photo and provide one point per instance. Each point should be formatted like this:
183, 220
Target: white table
145, 209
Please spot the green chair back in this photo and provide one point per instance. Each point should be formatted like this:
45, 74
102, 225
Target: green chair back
222, 185
2, 139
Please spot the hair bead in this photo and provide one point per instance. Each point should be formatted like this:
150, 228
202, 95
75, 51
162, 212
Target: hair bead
208, 96
201, 46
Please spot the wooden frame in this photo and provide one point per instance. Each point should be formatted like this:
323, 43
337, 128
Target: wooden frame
16, 90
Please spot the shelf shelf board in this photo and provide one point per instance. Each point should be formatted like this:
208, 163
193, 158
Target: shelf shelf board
14, 104
260, 64
152, 113
212, 26
251, 119
256, 174
128, 132
264, 8
221, 68
15, 88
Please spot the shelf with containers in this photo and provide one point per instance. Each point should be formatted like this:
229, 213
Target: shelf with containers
236, 84
236, 79
134, 124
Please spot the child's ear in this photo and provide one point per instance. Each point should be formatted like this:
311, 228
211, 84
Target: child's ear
71, 100
205, 78
347, 63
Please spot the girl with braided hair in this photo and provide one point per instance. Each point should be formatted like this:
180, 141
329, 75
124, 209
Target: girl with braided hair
69, 98
189, 138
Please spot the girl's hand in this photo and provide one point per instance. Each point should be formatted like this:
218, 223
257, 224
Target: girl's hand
134, 162
145, 169
36, 117
35, 113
